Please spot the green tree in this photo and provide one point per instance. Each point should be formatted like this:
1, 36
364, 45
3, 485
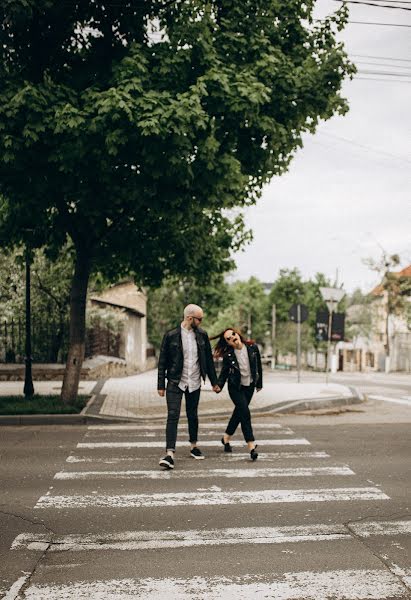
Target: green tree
246, 308
135, 145
166, 303
288, 289
50, 294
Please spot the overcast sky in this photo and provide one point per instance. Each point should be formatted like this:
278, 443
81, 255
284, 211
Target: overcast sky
347, 193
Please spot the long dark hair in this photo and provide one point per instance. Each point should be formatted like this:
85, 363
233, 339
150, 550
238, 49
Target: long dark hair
221, 348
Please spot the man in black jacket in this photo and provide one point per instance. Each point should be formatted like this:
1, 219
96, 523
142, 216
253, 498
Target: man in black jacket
185, 359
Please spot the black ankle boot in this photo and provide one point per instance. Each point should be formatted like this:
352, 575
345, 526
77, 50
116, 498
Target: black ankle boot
227, 445
254, 453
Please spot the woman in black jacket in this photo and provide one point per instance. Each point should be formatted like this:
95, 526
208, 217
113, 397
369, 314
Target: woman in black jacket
242, 368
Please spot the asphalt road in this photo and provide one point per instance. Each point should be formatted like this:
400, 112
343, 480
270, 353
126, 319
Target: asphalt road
392, 388
324, 513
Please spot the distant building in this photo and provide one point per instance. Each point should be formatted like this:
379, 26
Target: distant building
366, 351
130, 305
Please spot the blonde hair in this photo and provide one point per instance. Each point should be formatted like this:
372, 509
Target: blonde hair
190, 309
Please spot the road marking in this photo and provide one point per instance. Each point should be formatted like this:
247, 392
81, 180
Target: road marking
205, 443
210, 498
200, 473
403, 400
14, 592
374, 528
266, 456
362, 584
202, 435
145, 540
161, 427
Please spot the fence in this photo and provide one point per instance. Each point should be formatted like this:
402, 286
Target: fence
49, 341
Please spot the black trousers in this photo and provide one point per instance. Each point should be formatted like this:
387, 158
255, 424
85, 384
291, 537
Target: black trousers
241, 413
174, 396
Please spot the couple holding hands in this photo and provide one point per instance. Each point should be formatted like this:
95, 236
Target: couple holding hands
186, 358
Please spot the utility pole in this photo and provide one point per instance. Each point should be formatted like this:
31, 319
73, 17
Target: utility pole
332, 297
28, 378
273, 334
298, 342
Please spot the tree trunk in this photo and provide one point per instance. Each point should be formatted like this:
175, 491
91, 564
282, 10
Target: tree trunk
78, 298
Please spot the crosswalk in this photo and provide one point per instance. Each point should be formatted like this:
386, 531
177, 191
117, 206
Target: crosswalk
221, 529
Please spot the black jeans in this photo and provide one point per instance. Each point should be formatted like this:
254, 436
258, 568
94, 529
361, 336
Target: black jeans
241, 413
174, 396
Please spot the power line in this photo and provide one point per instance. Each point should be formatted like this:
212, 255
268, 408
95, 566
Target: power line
374, 64
373, 23
363, 146
391, 1
365, 72
373, 4
381, 57
386, 80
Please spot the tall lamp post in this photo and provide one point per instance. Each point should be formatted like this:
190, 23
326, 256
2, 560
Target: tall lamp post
28, 377
332, 297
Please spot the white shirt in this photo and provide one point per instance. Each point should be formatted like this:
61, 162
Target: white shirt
191, 375
244, 364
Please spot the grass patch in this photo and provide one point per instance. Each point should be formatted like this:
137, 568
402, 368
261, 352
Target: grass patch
40, 405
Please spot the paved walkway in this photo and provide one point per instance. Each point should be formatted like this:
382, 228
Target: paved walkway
136, 397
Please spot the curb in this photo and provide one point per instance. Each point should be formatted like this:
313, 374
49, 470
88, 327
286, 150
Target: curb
90, 414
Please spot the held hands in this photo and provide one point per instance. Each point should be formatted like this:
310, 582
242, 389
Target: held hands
216, 389
161, 393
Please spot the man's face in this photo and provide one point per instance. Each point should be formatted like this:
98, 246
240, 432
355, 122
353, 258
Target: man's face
196, 320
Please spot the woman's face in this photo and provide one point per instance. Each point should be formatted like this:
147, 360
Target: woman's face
232, 338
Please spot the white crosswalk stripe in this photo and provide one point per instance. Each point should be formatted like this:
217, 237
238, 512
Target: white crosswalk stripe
262, 456
203, 435
211, 498
205, 443
204, 473
161, 427
360, 584
145, 540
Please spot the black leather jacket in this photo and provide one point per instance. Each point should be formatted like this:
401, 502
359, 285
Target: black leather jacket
231, 369
170, 362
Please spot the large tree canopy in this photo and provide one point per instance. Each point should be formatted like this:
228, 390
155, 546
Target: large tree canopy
137, 128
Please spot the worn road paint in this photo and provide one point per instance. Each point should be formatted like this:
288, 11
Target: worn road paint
262, 456
210, 498
199, 473
374, 528
14, 592
205, 443
342, 584
203, 427
144, 540
394, 400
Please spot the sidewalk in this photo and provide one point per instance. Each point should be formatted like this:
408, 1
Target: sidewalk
136, 398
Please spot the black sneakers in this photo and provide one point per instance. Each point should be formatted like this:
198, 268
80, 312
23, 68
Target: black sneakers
167, 462
254, 453
197, 454
227, 445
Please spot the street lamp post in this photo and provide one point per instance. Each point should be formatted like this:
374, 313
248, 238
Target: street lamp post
332, 297
28, 377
